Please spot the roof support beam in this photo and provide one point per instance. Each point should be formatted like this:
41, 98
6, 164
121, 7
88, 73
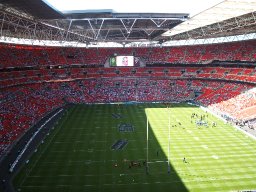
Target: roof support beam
106, 35
2, 24
130, 29
254, 17
89, 21
158, 24
148, 32
98, 32
203, 31
69, 26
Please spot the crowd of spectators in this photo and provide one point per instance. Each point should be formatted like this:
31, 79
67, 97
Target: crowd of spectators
22, 106
234, 101
19, 55
30, 94
44, 75
241, 106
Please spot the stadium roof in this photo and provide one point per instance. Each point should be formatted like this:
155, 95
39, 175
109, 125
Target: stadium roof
242, 12
35, 8
191, 7
35, 20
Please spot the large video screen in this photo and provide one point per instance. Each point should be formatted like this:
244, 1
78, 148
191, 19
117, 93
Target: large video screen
122, 61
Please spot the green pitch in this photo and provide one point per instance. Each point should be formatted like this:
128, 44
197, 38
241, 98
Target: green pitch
77, 155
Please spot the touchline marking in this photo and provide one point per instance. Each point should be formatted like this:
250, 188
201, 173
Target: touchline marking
42, 152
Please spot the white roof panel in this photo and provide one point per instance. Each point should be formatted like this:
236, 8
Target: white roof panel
220, 12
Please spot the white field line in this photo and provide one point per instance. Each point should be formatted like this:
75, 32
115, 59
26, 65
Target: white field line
245, 132
133, 182
180, 171
196, 179
210, 146
42, 186
173, 159
46, 147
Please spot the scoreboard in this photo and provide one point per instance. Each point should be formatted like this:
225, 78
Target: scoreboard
122, 61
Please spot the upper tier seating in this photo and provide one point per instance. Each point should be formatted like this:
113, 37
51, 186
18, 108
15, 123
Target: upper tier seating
19, 56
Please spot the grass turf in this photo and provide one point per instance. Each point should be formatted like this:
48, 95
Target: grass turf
77, 155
